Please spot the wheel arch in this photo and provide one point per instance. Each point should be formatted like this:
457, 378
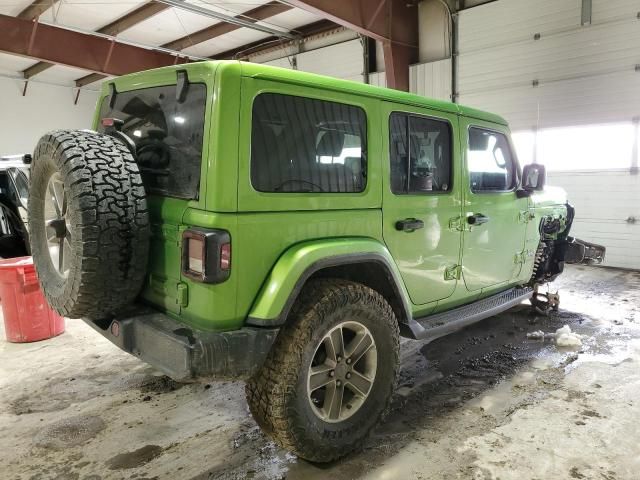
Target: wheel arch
365, 261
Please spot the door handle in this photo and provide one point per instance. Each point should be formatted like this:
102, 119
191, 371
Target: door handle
477, 219
409, 224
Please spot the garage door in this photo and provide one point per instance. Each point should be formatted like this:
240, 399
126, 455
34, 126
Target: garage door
550, 66
535, 63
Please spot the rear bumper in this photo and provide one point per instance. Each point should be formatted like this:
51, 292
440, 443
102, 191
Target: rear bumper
187, 354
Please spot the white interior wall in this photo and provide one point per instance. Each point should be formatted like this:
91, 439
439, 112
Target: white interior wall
537, 65
379, 79
343, 60
339, 55
606, 202
45, 107
431, 79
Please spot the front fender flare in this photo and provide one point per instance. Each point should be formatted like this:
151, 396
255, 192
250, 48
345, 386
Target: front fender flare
301, 261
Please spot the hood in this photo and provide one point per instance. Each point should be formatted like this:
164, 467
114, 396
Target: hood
549, 196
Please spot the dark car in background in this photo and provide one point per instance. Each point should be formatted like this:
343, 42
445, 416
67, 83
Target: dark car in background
14, 192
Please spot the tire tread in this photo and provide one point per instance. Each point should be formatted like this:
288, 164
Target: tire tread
111, 227
270, 390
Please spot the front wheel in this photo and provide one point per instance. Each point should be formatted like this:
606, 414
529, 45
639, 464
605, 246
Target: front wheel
331, 373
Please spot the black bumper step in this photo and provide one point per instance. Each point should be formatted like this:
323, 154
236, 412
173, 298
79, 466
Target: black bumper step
441, 324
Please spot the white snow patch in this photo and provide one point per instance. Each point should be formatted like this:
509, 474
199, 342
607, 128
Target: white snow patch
566, 338
537, 335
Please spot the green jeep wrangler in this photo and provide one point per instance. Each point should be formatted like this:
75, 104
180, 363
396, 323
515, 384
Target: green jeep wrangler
233, 220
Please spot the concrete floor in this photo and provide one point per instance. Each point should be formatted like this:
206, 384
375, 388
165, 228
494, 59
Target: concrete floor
485, 403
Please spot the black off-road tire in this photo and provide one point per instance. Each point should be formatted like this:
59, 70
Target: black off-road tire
107, 213
277, 393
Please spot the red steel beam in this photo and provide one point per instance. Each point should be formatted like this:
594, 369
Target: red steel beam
269, 43
75, 49
392, 22
112, 29
395, 21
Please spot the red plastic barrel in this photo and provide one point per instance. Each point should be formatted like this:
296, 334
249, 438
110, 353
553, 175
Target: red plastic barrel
27, 316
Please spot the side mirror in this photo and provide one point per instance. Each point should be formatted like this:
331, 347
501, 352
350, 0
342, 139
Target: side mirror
534, 177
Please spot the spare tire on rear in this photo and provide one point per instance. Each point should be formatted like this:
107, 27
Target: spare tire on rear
89, 223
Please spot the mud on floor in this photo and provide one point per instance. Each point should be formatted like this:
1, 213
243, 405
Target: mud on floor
486, 402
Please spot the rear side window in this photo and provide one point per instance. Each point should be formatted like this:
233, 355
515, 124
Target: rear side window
306, 145
168, 136
420, 154
491, 164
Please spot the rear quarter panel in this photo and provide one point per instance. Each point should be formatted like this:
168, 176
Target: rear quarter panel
263, 226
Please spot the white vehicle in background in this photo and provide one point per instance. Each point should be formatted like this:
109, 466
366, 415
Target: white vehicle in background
14, 218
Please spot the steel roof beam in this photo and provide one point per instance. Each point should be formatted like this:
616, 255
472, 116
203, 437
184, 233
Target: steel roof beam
37, 8
112, 29
259, 46
237, 20
392, 22
257, 14
98, 53
131, 19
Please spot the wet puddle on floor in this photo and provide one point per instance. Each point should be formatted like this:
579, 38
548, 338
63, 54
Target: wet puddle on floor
134, 459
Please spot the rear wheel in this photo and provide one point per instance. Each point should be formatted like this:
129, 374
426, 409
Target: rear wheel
89, 223
331, 373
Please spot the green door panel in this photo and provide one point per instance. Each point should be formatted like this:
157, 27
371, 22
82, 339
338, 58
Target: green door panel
297, 262
425, 256
492, 252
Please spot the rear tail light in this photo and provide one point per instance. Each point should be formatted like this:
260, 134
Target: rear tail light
206, 255
112, 123
195, 255
225, 256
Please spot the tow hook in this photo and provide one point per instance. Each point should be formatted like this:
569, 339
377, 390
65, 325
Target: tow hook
543, 303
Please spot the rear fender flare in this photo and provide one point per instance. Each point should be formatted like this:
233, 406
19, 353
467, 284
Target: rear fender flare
297, 264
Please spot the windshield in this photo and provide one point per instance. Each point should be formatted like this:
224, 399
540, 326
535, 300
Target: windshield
168, 136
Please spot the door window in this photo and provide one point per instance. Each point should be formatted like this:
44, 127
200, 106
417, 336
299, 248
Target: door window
490, 162
420, 154
307, 145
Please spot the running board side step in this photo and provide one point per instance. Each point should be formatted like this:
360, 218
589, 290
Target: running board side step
441, 324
